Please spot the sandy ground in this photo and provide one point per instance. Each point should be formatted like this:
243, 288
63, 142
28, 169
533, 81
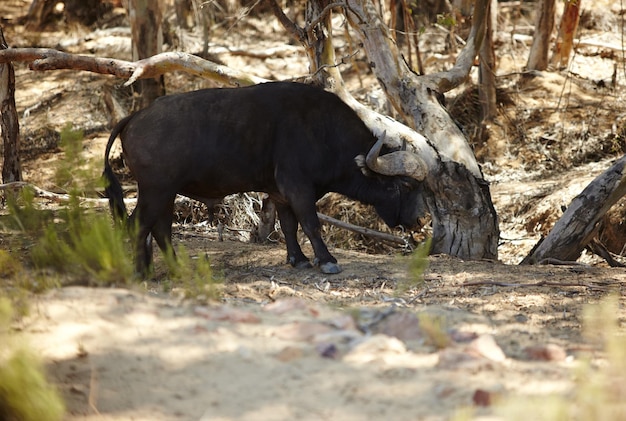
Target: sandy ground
286, 344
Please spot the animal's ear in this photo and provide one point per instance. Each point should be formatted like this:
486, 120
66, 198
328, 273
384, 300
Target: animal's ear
360, 162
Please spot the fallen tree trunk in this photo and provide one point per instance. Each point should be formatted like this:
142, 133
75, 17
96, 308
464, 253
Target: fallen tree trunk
579, 224
42, 59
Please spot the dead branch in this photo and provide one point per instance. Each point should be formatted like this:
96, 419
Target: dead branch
57, 197
364, 231
598, 248
42, 59
45, 194
294, 30
450, 79
592, 285
579, 223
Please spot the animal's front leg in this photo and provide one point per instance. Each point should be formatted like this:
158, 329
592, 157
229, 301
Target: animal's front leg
289, 225
307, 215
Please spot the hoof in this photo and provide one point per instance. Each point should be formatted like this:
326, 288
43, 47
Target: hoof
301, 264
305, 264
330, 268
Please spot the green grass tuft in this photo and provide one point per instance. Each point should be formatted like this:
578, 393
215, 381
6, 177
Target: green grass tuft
25, 394
86, 244
195, 277
417, 265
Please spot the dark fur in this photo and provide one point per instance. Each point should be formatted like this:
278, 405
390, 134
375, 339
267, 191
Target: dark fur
292, 141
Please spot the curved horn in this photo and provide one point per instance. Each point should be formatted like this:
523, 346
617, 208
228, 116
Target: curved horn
395, 163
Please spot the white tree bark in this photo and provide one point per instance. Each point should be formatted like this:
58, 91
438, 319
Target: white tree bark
544, 24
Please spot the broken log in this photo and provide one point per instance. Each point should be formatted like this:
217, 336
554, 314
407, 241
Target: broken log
579, 223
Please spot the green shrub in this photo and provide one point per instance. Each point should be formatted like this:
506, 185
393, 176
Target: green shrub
24, 215
75, 240
417, 265
25, 394
194, 277
9, 265
86, 244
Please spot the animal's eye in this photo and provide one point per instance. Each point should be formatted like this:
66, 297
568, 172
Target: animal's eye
407, 184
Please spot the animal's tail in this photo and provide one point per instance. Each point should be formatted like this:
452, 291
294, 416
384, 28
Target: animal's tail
113, 188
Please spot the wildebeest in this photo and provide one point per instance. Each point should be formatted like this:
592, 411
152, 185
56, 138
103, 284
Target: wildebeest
293, 141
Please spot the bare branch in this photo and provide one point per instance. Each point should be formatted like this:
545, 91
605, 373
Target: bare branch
323, 14
590, 285
294, 30
45, 194
364, 231
50, 59
450, 79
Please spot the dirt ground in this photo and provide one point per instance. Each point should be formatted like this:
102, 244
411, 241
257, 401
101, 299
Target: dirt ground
286, 344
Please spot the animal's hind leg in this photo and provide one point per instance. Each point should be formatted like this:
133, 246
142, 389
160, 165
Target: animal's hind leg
289, 225
142, 244
153, 215
162, 230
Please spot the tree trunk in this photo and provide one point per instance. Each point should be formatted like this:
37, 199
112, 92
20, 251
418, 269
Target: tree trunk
39, 13
184, 13
544, 24
145, 23
487, 68
578, 225
9, 125
567, 30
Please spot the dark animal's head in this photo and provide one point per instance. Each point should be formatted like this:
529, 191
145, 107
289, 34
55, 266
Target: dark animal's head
403, 201
404, 204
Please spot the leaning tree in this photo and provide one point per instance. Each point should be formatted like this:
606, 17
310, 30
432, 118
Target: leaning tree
464, 220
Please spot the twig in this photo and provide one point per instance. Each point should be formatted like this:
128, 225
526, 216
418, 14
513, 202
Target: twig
365, 231
600, 249
93, 390
559, 262
536, 284
55, 197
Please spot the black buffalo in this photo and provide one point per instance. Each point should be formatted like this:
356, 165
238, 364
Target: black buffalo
293, 141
